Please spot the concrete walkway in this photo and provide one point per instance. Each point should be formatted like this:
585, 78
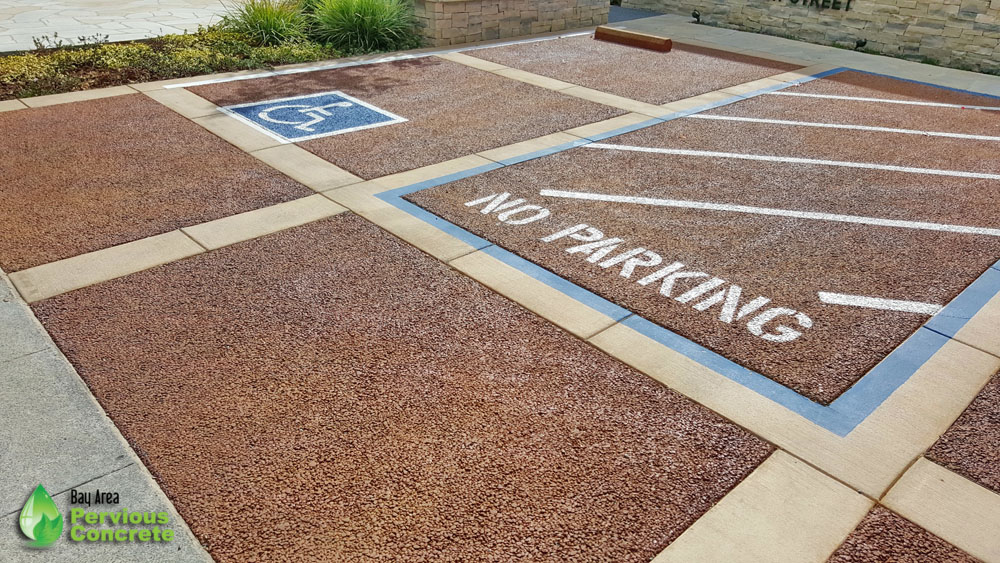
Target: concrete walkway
23, 20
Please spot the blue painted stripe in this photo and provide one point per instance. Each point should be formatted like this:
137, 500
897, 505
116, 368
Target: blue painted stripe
815, 412
543, 152
957, 313
433, 182
627, 129
552, 280
795, 82
452, 229
880, 382
959, 90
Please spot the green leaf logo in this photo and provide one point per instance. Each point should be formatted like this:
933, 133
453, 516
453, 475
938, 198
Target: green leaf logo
40, 518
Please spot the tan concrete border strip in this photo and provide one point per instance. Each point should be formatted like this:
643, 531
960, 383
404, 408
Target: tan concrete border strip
287, 158
981, 330
12, 105
563, 87
54, 278
306, 168
547, 302
531, 145
949, 506
785, 511
61, 276
260, 222
80, 96
184, 102
873, 455
208, 115
360, 198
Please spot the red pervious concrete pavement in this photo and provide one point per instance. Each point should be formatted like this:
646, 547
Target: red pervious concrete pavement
330, 392
784, 259
884, 536
971, 446
452, 110
639, 74
80, 177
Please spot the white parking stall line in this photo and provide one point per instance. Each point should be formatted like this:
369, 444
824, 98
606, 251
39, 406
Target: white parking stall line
795, 160
846, 126
878, 303
687, 204
883, 100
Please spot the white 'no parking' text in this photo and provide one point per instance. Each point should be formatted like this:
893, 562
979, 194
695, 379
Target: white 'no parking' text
648, 268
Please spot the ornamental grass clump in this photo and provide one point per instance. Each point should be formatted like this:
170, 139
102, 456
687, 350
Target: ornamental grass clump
363, 26
267, 22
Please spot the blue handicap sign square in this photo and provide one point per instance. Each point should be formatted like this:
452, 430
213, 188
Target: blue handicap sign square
301, 118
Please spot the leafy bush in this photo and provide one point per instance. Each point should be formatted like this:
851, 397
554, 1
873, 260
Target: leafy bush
357, 26
267, 22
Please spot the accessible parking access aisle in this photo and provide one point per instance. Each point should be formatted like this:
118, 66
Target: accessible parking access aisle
803, 251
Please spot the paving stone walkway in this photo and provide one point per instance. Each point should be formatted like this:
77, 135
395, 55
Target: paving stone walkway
23, 20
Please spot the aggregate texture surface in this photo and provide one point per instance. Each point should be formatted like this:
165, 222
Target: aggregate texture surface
971, 447
885, 536
80, 177
634, 73
331, 392
785, 259
853, 84
452, 110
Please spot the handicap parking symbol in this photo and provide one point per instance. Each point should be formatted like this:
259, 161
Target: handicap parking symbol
301, 118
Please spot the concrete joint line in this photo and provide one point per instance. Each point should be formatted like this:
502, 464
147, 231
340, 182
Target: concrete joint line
78, 485
950, 506
12, 105
78, 96
783, 511
24, 355
188, 235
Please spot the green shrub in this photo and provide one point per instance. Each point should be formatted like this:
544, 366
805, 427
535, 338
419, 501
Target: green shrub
171, 56
357, 26
267, 22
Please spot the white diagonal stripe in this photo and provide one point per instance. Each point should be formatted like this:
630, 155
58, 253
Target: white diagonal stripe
878, 303
883, 100
795, 160
687, 204
846, 126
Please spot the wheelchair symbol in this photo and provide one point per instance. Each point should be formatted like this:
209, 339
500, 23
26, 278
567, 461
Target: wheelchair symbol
311, 114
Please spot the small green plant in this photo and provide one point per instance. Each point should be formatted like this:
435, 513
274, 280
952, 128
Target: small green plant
46, 42
171, 56
267, 22
355, 26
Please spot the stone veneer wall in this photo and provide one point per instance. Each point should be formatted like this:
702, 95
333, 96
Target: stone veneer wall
449, 22
956, 33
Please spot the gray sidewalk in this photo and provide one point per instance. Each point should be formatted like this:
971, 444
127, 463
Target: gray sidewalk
53, 433
22, 20
681, 28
